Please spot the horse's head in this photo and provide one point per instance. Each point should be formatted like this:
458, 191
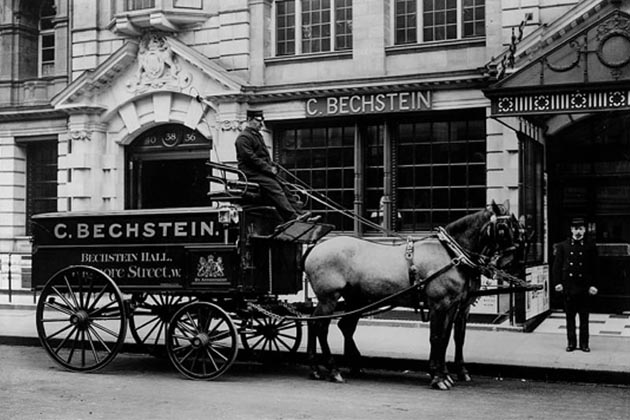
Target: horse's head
503, 238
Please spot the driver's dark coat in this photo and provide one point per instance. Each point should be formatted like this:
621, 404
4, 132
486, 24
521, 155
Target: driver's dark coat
575, 266
252, 154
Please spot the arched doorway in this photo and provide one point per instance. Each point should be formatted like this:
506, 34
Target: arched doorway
167, 168
589, 174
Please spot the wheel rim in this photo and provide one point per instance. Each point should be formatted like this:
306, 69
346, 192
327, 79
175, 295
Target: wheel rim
81, 319
268, 334
201, 341
150, 318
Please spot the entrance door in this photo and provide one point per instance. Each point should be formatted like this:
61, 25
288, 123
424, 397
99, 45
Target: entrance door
167, 169
589, 175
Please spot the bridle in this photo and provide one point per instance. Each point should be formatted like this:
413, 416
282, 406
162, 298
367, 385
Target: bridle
502, 236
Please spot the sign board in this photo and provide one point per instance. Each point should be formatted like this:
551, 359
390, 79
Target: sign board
373, 103
486, 304
136, 247
537, 301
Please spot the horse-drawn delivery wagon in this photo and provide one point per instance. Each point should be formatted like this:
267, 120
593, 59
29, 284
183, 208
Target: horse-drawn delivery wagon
177, 277
193, 280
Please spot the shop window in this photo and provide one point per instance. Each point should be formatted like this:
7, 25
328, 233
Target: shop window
313, 26
322, 158
441, 171
437, 20
41, 179
47, 39
438, 167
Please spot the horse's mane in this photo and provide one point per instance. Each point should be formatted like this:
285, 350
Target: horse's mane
469, 223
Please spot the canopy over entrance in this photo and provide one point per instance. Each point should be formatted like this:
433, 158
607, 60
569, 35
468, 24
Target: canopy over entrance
574, 66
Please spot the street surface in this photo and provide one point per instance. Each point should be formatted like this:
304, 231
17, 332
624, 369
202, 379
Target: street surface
143, 387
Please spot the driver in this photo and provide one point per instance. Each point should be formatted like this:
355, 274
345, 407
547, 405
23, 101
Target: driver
255, 162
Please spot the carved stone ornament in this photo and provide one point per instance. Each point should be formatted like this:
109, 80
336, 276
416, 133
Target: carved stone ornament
80, 135
613, 35
157, 66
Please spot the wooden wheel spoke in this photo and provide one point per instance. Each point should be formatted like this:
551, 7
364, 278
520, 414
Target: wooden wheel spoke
59, 308
89, 336
105, 329
221, 335
281, 341
218, 353
100, 339
97, 298
62, 297
214, 364
291, 337
49, 337
74, 298
105, 310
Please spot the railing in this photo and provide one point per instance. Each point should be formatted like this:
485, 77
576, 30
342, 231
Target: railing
15, 275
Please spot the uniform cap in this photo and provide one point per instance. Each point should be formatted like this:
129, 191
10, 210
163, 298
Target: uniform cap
577, 221
255, 114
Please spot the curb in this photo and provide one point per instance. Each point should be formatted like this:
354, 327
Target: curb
498, 371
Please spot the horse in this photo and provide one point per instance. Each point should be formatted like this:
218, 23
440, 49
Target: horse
363, 272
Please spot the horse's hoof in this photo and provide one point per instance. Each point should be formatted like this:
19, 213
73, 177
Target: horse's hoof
336, 377
440, 384
464, 377
315, 375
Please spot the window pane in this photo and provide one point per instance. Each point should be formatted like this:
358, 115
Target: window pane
41, 179
328, 170
444, 185
405, 22
473, 18
285, 27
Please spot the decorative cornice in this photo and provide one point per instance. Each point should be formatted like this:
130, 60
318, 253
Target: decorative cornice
80, 135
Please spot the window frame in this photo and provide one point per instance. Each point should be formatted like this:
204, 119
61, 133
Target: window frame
36, 163
335, 6
46, 33
420, 24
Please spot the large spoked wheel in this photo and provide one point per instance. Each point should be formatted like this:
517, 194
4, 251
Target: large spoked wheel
149, 320
269, 334
202, 341
81, 318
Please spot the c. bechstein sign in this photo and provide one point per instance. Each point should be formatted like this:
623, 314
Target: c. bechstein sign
373, 103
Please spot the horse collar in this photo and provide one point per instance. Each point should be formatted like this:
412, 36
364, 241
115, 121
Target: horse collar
409, 249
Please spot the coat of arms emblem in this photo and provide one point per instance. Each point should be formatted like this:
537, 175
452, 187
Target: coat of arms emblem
157, 66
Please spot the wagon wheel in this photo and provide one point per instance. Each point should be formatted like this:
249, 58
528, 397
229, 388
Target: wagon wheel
201, 340
149, 320
81, 318
271, 334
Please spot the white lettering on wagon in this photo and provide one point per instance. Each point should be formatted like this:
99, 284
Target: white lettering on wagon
135, 230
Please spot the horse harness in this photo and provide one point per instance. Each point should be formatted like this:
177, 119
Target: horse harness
462, 256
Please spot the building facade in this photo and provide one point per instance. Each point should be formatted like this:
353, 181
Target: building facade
399, 101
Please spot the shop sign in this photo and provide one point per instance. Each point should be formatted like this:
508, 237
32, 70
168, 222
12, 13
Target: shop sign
373, 103
488, 304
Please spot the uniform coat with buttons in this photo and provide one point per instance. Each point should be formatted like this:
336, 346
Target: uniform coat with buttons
575, 266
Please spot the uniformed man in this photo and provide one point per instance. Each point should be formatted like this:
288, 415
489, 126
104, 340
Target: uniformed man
255, 162
574, 272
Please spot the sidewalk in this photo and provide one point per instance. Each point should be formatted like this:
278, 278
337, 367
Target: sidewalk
404, 345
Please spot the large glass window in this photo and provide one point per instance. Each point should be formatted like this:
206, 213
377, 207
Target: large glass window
322, 25
441, 171
41, 179
323, 158
438, 167
47, 39
437, 20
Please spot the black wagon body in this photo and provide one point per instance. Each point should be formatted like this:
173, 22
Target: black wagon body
181, 280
